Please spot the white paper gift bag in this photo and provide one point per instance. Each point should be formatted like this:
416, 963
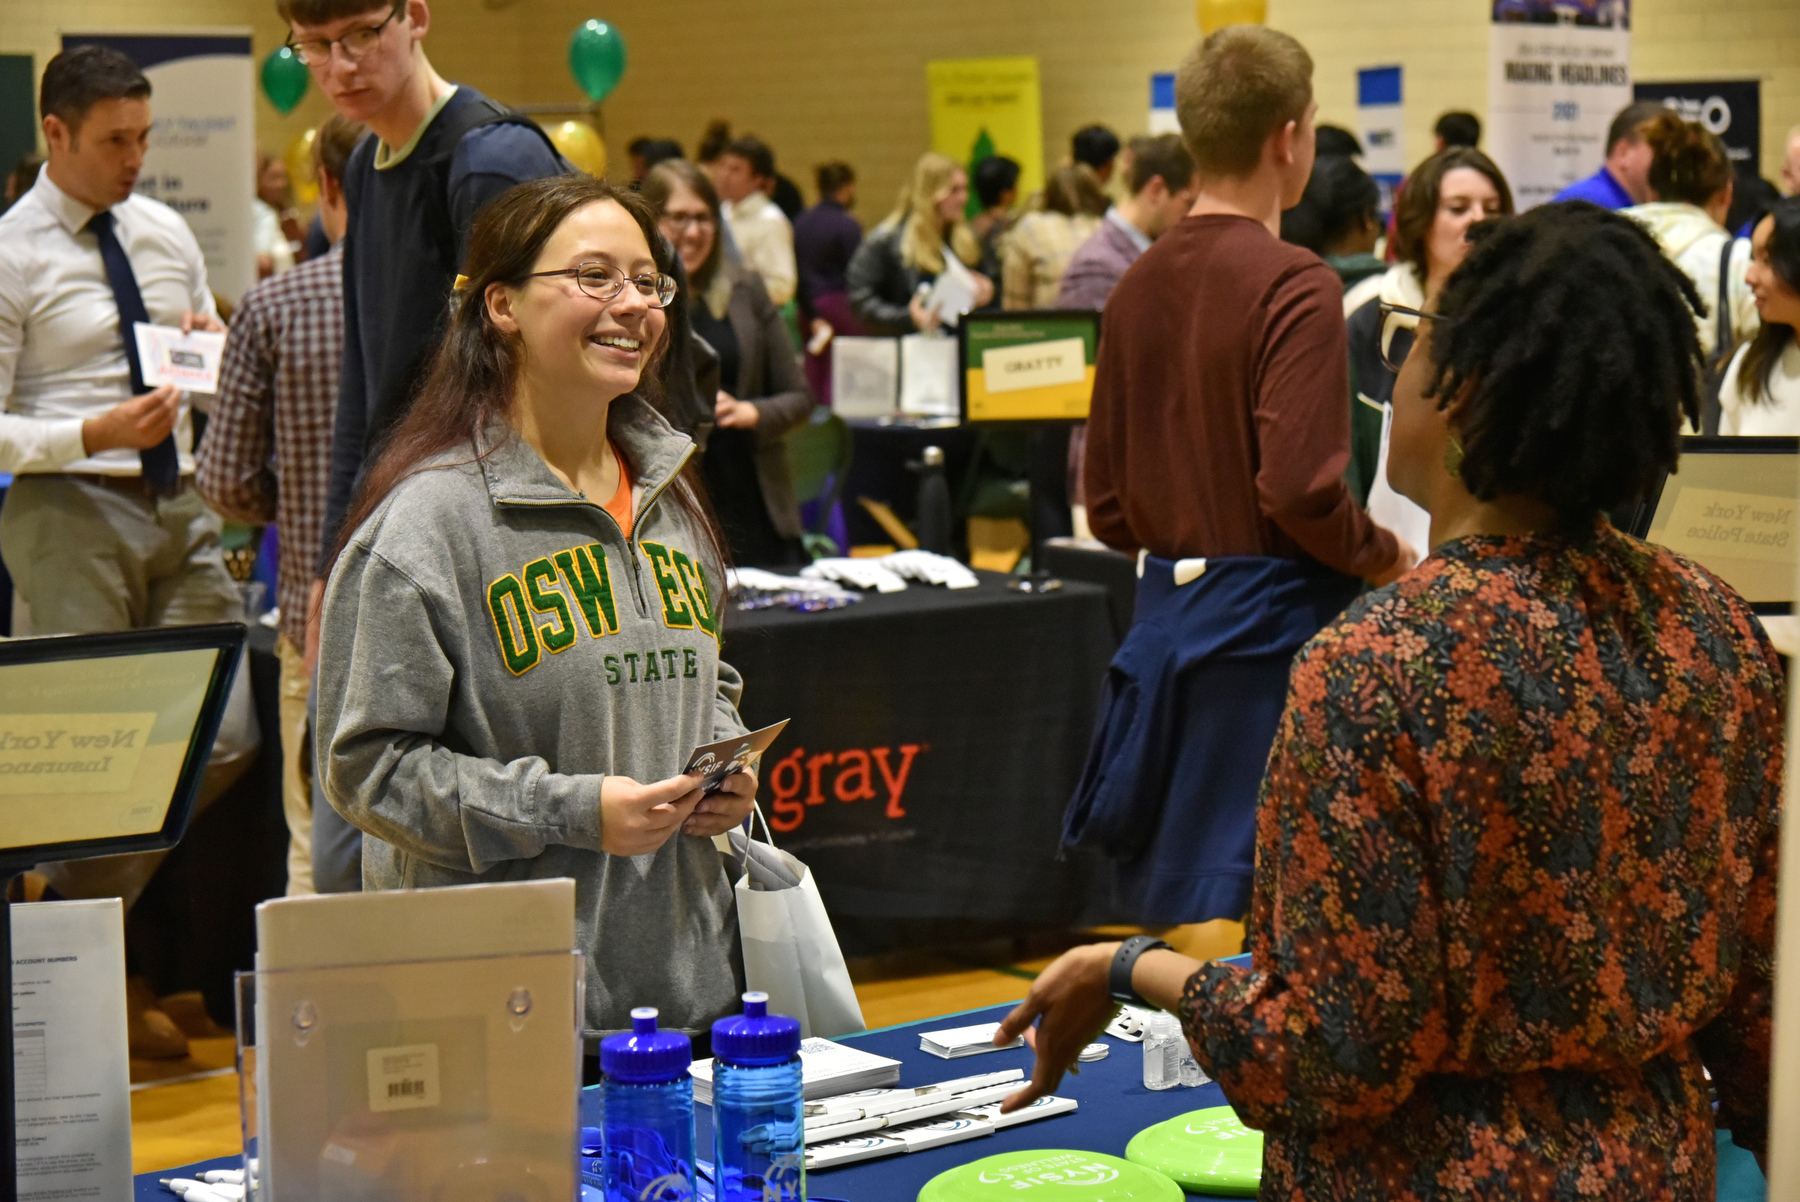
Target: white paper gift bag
790, 950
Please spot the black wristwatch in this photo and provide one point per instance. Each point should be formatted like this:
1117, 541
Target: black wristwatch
1118, 977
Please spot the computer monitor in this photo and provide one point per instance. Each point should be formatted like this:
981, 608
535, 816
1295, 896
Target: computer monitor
1031, 366
1733, 507
104, 738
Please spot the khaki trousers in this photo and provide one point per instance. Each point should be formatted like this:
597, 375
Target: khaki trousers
296, 767
89, 559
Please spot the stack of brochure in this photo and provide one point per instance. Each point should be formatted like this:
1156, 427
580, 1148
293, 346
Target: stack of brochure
827, 1068
956, 1042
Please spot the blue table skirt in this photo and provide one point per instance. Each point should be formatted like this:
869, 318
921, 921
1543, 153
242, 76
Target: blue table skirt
1114, 1107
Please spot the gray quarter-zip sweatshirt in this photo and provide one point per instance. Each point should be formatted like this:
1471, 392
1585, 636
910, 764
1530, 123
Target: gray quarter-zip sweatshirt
493, 645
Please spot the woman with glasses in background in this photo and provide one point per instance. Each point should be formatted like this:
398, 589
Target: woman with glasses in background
1444, 196
521, 625
762, 391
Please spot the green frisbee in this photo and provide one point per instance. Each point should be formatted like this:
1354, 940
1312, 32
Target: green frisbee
1051, 1176
1208, 1151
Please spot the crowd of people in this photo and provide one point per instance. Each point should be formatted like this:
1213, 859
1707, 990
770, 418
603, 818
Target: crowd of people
1509, 860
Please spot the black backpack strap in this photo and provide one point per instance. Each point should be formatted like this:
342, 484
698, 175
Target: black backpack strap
1711, 411
446, 143
1722, 348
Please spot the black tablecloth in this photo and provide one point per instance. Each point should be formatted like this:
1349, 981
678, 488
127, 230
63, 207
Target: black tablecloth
936, 736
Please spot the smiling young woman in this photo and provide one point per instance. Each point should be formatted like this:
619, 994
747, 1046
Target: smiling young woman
521, 629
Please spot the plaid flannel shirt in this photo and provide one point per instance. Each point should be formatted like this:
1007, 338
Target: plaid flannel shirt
266, 456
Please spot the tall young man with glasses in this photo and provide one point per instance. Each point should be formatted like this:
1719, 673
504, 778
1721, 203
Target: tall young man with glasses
440, 152
1217, 443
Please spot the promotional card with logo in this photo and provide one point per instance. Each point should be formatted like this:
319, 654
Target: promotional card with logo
716, 761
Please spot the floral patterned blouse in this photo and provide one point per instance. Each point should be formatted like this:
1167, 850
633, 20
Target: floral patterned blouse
1515, 886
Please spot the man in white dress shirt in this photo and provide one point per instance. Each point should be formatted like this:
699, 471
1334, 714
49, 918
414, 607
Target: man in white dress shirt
92, 543
765, 240
102, 529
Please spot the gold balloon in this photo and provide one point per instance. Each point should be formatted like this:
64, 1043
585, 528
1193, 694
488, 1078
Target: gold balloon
301, 174
1216, 14
581, 146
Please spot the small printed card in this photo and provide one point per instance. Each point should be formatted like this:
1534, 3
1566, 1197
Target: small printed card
188, 361
716, 761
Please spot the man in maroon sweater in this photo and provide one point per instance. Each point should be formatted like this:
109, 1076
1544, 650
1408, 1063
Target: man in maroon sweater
1217, 443
1219, 422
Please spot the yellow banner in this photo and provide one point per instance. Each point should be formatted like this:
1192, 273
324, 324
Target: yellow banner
983, 106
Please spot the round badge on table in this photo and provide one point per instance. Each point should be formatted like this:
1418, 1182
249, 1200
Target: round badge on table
1208, 1151
1039, 1175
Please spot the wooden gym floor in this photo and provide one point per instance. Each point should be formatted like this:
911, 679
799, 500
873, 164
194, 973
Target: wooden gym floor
187, 1110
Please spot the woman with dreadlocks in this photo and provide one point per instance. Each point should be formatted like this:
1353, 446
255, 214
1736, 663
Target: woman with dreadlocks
1515, 871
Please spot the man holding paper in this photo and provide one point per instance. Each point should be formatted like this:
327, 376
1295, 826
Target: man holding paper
102, 529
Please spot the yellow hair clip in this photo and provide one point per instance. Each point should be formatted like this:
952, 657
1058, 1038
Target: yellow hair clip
462, 283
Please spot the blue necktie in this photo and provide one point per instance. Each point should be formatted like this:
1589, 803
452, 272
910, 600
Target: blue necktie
162, 465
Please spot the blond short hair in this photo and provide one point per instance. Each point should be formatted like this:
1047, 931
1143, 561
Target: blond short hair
1236, 88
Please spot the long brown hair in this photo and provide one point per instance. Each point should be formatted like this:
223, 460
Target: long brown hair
470, 383
1774, 337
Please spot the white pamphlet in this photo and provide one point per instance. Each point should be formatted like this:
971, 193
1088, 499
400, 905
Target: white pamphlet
865, 376
188, 361
928, 376
952, 294
71, 1068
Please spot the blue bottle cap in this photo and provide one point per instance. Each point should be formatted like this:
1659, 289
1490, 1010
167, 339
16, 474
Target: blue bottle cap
646, 1056
756, 1037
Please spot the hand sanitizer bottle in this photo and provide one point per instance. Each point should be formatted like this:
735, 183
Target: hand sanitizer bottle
1162, 1052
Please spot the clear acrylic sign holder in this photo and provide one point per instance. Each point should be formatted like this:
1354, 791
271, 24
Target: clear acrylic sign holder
435, 1080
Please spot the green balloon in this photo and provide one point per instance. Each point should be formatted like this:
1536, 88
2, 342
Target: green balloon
597, 58
284, 79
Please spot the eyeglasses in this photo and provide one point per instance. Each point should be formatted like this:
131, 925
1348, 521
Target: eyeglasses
603, 283
1398, 324
316, 52
681, 221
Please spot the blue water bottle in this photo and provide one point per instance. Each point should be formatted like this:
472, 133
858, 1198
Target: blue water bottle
648, 1126
759, 1121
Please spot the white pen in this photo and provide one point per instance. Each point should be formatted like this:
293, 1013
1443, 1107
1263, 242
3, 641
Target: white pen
223, 1176
194, 1191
